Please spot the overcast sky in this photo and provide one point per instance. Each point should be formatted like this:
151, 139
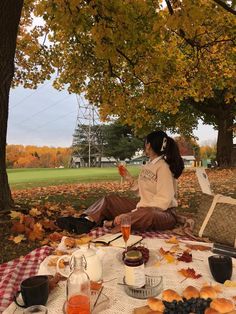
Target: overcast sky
46, 116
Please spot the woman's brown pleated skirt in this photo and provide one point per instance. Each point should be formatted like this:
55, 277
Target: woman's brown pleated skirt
142, 219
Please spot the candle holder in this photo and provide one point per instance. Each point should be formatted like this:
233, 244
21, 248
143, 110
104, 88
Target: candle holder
153, 287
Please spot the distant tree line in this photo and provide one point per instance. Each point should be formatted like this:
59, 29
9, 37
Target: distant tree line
20, 156
105, 140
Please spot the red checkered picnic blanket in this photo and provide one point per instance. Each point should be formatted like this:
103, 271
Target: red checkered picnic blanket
95, 233
13, 272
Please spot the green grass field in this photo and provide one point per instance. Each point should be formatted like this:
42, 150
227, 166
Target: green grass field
38, 177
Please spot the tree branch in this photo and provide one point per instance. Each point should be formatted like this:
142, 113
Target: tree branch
169, 6
126, 57
225, 6
204, 107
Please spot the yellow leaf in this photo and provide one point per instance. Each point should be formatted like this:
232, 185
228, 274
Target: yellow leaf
18, 238
172, 240
14, 214
37, 233
35, 212
169, 258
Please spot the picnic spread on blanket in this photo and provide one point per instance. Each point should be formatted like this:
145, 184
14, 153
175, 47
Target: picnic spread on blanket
154, 272
179, 270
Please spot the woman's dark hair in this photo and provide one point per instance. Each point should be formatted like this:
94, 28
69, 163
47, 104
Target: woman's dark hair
162, 144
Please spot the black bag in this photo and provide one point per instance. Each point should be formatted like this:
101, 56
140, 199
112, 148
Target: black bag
76, 225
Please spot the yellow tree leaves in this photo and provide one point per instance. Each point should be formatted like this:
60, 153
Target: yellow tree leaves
34, 156
136, 49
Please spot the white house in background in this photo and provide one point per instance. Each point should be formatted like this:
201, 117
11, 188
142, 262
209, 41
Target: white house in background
189, 161
78, 162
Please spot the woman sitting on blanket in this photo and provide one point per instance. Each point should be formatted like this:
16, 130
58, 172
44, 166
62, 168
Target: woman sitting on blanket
156, 187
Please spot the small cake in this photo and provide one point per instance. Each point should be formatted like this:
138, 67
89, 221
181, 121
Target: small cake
222, 305
156, 304
170, 295
191, 292
208, 292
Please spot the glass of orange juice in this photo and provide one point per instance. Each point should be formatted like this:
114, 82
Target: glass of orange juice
126, 228
122, 169
78, 304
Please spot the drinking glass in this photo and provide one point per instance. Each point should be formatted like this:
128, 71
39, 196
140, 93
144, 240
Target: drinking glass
126, 228
78, 304
221, 267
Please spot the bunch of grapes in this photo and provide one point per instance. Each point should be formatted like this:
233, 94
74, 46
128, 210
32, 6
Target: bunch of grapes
140, 248
193, 305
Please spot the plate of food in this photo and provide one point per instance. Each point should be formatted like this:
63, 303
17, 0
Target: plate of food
70, 244
150, 257
49, 265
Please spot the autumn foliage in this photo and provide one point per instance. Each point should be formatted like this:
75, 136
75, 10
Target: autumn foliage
42, 205
19, 156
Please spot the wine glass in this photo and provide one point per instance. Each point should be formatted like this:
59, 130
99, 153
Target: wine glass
126, 228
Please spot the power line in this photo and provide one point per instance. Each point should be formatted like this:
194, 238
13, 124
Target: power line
23, 99
44, 109
51, 121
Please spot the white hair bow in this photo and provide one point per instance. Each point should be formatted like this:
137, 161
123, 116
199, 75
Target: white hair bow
164, 143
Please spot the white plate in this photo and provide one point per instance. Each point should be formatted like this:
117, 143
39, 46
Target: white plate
44, 269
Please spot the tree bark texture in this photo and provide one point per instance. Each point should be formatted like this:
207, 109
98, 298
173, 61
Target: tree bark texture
222, 114
225, 140
10, 12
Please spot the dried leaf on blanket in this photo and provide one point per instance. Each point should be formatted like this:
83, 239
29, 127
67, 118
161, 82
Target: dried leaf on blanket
189, 273
172, 240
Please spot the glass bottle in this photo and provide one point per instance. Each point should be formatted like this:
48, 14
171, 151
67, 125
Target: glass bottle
78, 288
134, 269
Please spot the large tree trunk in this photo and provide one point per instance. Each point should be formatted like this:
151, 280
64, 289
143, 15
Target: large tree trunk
221, 114
10, 12
225, 140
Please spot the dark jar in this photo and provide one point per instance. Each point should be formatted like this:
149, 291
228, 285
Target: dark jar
134, 269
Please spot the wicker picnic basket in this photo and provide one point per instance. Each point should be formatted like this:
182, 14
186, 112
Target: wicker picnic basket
216, 219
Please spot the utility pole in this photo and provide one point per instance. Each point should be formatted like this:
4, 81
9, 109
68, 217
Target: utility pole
84, 137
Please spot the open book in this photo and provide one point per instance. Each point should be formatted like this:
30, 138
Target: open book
117, 240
